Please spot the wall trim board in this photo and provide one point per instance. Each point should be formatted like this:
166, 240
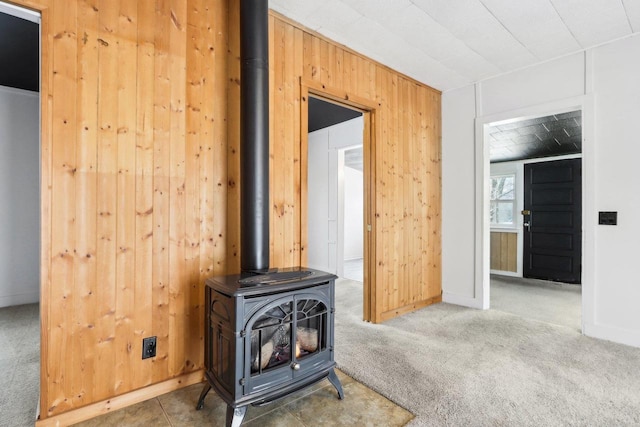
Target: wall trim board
613, 334
461, 300
113, 404
585, 103
409, 308
19, 299
505, 273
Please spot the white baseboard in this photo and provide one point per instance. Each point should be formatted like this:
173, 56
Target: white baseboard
505, 273
610, 333
19, 299
462, 300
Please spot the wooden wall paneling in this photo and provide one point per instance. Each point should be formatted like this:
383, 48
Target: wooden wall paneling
107, 199
64, 170
296, 209
122, 116
195, 38
504, 251
395, 198
143, 283
161, 190
414, 170
276, 141
312, 45
83, 355
283, 141
435, 192
423, 194
325, 64
125, 207
292, 177
233, 135
403, 218
285, 195
512, 251
304, 168
338, 72
494, 257
177, 196
214, 163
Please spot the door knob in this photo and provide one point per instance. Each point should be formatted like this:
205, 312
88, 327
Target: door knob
528, 225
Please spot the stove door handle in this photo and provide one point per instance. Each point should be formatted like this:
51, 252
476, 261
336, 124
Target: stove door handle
295, 366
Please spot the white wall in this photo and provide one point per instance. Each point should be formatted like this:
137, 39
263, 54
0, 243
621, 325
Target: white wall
458, 204
19, 197
318, 200
353, 214
605, 82
326, 193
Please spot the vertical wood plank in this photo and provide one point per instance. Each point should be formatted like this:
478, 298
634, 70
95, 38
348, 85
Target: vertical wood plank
297, 208
214, 163
143, 284
233, 147
194, 104
63, 209
161, 190
84, 352
126, 357
107, 198
177, 194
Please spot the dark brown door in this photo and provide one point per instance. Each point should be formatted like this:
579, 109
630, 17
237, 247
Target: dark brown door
553, 226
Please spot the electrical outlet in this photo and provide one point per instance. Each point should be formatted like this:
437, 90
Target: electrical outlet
148, 347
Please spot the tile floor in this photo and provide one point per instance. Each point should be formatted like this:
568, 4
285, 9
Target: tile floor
317, 405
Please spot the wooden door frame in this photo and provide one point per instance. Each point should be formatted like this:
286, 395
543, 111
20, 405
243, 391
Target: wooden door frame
368, 109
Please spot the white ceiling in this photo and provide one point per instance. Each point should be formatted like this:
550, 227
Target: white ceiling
452, 43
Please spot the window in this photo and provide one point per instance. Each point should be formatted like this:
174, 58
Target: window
503, 195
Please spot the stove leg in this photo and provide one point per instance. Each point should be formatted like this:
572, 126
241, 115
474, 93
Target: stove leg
235, 415
333, 379
205, 390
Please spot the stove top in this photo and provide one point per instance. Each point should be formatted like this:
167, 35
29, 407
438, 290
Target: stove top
276, 280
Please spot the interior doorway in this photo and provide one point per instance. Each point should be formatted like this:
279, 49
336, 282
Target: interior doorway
534, 213
323, 226
20, 213
335, 188
19, 156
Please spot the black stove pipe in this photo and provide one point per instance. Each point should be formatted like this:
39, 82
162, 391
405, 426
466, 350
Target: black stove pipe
254, 135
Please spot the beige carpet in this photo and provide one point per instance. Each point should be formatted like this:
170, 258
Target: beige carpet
453, 366
19, 365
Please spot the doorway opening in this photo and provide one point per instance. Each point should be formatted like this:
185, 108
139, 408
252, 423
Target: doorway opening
334, 221
335, 189
20, 212
535, 216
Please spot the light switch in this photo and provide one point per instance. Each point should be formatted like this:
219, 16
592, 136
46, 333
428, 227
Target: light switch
608, 218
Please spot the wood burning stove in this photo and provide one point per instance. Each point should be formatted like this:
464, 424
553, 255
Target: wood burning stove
267, 332
267, 336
